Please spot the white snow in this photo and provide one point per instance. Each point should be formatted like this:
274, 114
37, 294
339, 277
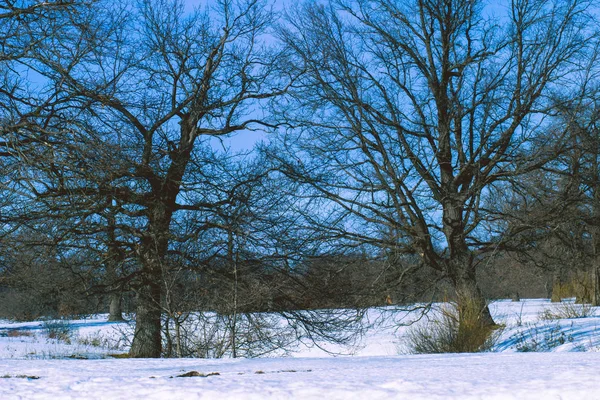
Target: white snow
474, 376
378, 369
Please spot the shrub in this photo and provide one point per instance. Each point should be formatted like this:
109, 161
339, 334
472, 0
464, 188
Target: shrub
97, 339
445, 334
567, 310
18, 333
59, 330
541, 338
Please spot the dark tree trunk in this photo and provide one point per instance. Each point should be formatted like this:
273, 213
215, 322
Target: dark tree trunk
169, 340
147, 337
596, 230
557, 286
115, 311
595, 275
114, 259
472, 306
147, 341
582, 286
596, 282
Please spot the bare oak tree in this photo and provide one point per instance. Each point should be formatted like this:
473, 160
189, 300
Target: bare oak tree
409, 110
144, 89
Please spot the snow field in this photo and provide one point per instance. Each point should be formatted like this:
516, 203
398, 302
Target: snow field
466, 376
561, 362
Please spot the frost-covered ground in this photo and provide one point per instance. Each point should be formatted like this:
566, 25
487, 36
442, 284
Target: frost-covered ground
561, 361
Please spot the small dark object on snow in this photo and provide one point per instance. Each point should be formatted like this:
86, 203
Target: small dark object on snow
20, 376
196, 373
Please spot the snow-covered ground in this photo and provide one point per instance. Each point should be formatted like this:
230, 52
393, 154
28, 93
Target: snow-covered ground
533, 358
475, 376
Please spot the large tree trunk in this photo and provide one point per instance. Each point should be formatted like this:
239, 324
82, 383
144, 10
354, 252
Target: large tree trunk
147, 337
475, 323
472, 306
147, 341
154, 247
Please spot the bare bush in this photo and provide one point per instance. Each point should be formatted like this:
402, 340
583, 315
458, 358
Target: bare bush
213, 335
446, 334
567, 310
59, 330
17, 333
98, 339
536, 338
